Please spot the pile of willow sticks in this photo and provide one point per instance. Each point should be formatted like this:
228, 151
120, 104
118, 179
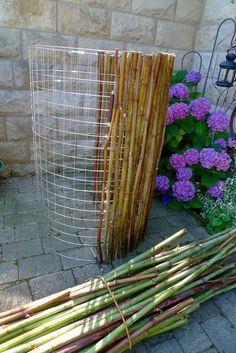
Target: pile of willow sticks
131, 152
153, 293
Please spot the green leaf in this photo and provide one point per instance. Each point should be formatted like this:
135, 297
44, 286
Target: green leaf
194, 203
221, 134
172, 130
216, 222
175, 204
178, 76
187, 124
200, 128
209, 180
216, 147
173, 143
195, 95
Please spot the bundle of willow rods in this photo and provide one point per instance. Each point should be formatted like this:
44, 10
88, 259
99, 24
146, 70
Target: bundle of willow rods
153, 293
133, 146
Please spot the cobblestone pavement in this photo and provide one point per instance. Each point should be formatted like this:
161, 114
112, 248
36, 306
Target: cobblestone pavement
29, 271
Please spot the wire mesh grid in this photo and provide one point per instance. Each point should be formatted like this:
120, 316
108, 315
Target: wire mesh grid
71, 103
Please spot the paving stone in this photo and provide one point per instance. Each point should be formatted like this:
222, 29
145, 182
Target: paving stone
222, 334
211, 350
13, 196
192, 338
52, 244
38, 265
8, 272
139, 348
7, 235
8, 209
28, 207
169, 346
207, 311
43, 229
49, 284
227, 304
20, 249
20, 220
156, 340
90, 271
76, 257
1, 222
27, 232
25, 184
15, 296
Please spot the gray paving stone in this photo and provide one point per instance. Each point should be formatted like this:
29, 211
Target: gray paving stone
8, 272
227, 304
211, 350
28, 207
20, 249
7, 235
13, 196
75, 257
8, 209
1, 222
52, 244
25, 184
155, 340
38, 265
7, 185
207, 311
27, 232
15, 296
89, 271
192, 338
52, 283
169, 346
139, 348
43, 229
222, 334
20, 220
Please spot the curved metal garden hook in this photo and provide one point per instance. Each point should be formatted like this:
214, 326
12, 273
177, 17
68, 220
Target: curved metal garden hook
232, 45
192, 52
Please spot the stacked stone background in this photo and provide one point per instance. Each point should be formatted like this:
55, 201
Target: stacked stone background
147, 25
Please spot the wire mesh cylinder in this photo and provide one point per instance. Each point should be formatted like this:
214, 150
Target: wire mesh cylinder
70, 125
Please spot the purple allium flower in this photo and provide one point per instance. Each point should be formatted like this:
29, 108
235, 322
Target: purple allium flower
200, 107
221, 142
176, 111
162, 183
177, 161
232, 142
216, 190
218, 121
223, 161
183, 190
193, 77
184, 173
180, 91
208, 157
191, 156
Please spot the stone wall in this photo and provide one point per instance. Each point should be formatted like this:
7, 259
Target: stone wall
147, 25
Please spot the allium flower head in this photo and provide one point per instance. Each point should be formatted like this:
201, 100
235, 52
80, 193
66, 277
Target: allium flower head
180, 91
216, 190
184, 174
177, 161
218, 121
208, 157
193, 77
191, 156
176, 111
221, 142
162, 184
232, 142
223, 161
183, 190
200, 107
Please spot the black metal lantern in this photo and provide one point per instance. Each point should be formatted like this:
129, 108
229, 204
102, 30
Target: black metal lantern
227, 72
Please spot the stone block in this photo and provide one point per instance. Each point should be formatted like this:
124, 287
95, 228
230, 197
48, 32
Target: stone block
13, 102
2, 130
147, 49
21, 249
192, 338
76, 257
20, 220
35, 14
227, 305
174, 35
10, 43
11, 152
28, 207
189, 11
81, 274
162, 8
169, 346
6, 74
216, 11
19, 128
38, 265
27, 232
132, 27
123, 5
8, 272
49, 284
15, 296
8, 209
21, 73
22, 169
102, 44
7, 235
204, 36
221, 332
83, 20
